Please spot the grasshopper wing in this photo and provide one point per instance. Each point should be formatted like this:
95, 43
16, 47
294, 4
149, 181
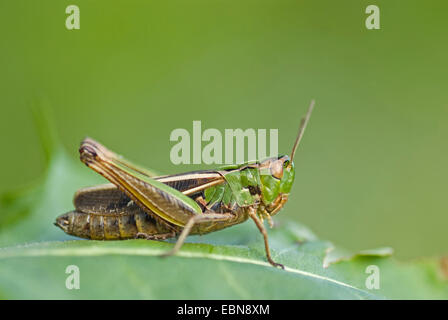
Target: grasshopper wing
162, 200
108, 198
102, 199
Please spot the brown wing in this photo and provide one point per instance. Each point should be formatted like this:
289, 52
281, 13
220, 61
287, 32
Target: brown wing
101, 199
107, 198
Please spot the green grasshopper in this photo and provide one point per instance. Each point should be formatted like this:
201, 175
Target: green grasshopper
139, 204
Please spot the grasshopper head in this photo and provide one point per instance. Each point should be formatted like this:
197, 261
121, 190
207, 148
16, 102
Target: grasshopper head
277, 174
277, 177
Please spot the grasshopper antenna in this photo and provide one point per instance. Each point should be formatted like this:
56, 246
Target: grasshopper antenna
302, 128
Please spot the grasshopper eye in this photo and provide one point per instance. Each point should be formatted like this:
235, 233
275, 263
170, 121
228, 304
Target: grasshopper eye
277, 169
286, 164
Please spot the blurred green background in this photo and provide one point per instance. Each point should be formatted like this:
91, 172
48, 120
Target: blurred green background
372, 167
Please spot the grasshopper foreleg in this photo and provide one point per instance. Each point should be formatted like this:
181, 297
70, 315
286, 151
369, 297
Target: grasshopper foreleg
253, 215
206, 217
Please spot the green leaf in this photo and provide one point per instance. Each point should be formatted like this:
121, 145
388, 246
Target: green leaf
229, 264
132, 269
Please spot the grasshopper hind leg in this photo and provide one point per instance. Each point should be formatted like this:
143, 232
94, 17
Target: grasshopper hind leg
198, 219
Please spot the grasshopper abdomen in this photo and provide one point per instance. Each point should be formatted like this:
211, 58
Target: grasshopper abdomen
110, 226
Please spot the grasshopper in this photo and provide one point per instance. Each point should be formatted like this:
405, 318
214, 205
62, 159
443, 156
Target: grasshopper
138, 204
